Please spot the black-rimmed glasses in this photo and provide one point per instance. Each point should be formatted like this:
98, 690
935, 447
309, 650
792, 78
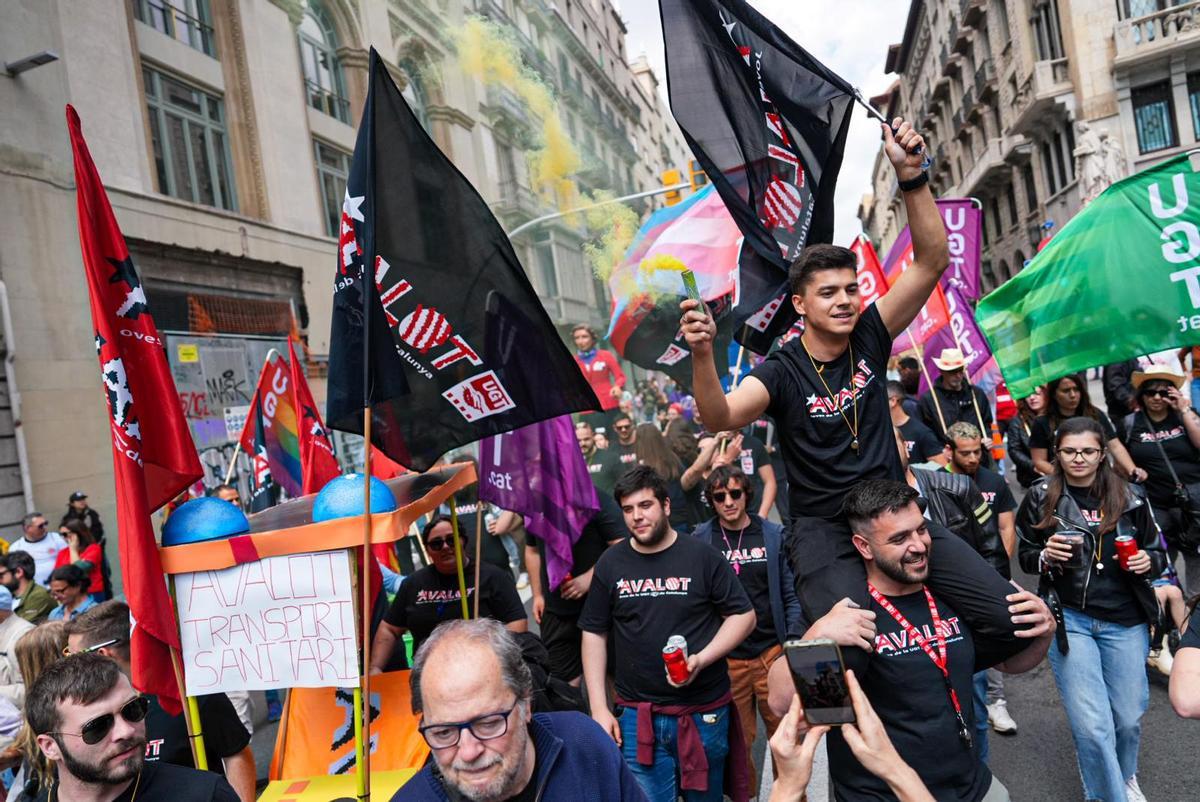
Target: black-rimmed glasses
1071, 454
96, 730
484, 728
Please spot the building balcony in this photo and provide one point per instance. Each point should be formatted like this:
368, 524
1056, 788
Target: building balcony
971, 11
985, 79
960, 40
952, 65
517, 202
990, 168
969, 107
1042, 90
1156, 35
957, 121
504, 104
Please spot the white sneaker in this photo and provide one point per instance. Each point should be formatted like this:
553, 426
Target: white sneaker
523, 581
999, 718
1132, 792
1161, 659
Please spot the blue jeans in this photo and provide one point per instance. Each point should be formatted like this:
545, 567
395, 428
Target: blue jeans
660, 781
981, 714
1107, 727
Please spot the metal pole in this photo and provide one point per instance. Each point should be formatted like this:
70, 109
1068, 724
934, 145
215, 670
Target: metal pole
648, 193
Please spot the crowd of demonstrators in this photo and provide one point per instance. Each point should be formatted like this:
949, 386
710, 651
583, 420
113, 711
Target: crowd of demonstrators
1093, 539
952, 398
40, 543
920, 443
1067, 397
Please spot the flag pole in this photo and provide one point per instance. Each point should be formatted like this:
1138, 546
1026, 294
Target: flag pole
967, 381
924, 372
733, 383
478, 552
458, 557
362, 694
191, 710
237, 447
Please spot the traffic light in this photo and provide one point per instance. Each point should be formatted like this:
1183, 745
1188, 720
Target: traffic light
669, 179
696, 176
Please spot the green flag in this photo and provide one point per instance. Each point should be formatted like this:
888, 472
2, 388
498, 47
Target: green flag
1121, 279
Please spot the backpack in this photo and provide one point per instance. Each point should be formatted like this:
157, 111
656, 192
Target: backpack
550, 694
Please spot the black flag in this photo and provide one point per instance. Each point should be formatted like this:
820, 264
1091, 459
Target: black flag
438, 374
264, 492
768, 124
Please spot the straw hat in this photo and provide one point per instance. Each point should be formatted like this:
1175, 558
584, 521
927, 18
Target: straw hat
950, 359
1162, 373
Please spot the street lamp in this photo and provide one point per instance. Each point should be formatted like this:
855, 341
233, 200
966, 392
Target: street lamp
15, 68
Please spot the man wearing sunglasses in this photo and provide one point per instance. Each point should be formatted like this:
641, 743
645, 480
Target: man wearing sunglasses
473, 690
753, 546
41, 544
104, 630
91, 724
31, 601
626, 445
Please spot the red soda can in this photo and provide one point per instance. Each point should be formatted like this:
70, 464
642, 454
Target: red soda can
675, 656
1126, 548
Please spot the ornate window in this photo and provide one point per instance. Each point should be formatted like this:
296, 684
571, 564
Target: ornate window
318, 58
189, 21
414, 94
1154, 117
333, 171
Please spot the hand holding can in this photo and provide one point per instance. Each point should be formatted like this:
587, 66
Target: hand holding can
675, 657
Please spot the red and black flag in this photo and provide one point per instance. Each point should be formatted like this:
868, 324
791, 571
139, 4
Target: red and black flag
419, 340
768, 123
154, 458
264, 492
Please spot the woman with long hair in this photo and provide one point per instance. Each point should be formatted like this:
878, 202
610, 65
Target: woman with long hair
1067, 397
83, 552
1019, 429
651, 449
1070, 524
697, 455
36, 649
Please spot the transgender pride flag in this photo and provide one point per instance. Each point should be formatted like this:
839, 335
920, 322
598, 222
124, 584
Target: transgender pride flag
279, 418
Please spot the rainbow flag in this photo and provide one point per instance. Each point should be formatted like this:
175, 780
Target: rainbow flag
279, 417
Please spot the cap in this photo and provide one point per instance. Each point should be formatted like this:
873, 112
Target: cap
78, 495
6, 599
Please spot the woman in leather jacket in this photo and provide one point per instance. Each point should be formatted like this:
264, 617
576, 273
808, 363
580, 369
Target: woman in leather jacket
1018, 431
1105, 609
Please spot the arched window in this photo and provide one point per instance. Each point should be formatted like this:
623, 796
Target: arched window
414, 93
318, 58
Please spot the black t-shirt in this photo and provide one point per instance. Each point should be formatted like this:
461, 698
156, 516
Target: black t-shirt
909, 694
747, 555
1191, 635
641, 600
429, 597
1040, 435
626, 455
493, 548
751, 459
920, 441
224, 733
994, 490
813, 435
604, 466
160, 782
1109, 592
606, 526
1145, 454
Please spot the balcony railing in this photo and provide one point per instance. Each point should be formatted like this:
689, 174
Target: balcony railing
178, 24
968, 104
1048, 80
1158, 31
327, 101
985, 78
971, 11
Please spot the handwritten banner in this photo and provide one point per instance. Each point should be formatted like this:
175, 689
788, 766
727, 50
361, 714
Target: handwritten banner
280, 622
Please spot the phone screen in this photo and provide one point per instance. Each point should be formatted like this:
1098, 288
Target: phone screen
820, 680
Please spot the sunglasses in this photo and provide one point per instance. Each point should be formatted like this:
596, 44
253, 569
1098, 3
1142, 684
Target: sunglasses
719, 495
439, 544
1164, 393
623, 428
96, 730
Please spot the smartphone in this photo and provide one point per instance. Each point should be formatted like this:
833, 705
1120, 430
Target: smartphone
820, 678
692, 290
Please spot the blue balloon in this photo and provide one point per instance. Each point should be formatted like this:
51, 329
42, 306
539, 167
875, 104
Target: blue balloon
203, 519
343, 498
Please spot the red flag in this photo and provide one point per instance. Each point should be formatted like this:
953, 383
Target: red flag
872, 284
154, 458
317, 462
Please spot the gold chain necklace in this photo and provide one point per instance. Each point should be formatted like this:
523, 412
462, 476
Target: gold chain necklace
853, 395
53, 793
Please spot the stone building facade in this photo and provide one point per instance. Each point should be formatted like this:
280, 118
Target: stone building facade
223, 130
1011, 92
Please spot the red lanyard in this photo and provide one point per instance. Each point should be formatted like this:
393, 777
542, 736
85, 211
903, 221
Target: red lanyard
940, 659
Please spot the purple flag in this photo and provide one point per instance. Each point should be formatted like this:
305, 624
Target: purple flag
539, 472
963, 233
982, 369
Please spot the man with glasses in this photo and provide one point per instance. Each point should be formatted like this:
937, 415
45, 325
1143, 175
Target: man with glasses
41, 544
104, 630
626, 440
472, 688
31, 601
91, 724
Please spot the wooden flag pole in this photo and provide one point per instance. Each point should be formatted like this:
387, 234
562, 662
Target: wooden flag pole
932, 390
458, 557
478, 551
983, 431
191, 710
362, 694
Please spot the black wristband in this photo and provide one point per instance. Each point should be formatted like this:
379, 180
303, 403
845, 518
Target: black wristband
915, 183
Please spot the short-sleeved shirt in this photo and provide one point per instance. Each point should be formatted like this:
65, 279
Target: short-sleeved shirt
746, 552
1110, 594
994, 490
224, 733
909, 694
813, 434
752, 458
641, 600
604, 466
429, 597
605, 526
920, 442
1041, 436
1179, 450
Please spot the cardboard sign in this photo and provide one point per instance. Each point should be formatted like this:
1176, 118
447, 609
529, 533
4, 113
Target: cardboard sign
279, 622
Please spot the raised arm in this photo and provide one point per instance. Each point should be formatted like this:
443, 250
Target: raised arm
931, 254
719, 411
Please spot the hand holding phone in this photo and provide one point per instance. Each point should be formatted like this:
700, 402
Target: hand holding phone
818, 673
